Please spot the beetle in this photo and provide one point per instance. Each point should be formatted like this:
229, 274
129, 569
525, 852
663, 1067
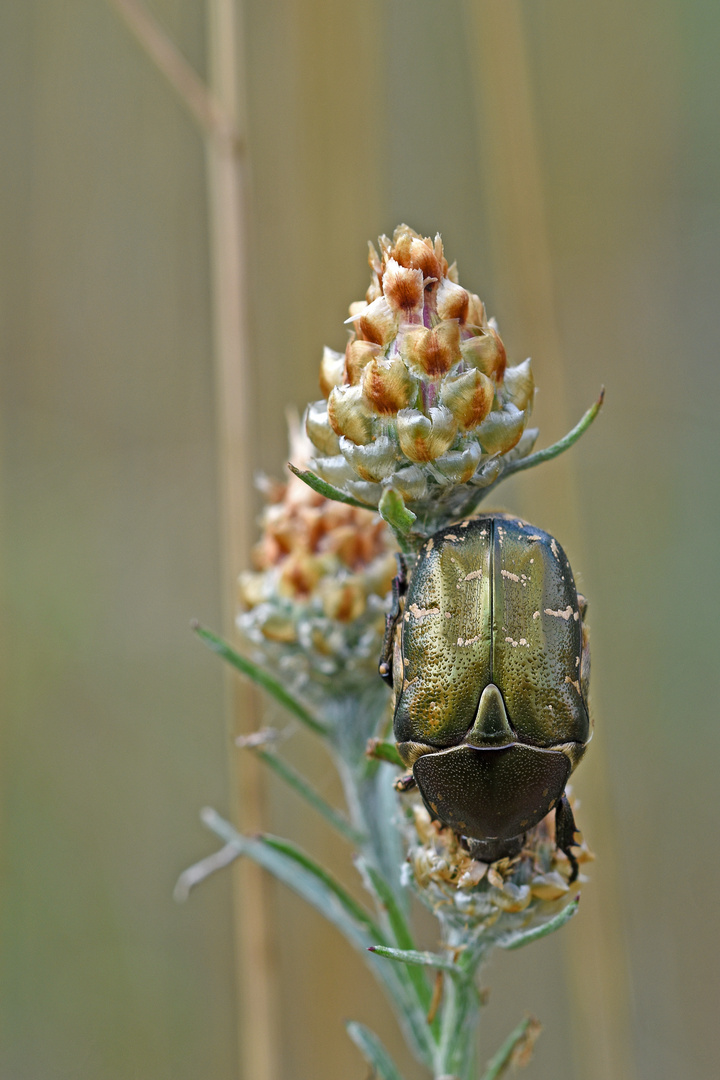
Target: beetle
487, 654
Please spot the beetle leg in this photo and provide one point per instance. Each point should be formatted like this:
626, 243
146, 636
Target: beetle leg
405, 783
565, 829
399, 588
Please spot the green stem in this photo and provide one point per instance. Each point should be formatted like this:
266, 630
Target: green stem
561, 445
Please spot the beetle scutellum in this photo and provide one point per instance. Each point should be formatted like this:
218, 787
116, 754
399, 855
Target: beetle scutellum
489, 662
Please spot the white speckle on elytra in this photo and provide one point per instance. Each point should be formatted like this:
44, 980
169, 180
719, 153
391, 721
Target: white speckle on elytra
450, 536
515, 644
473, 574
536, 614
465, 524
559, 614
469, 641
573, 683
509, 574
554, 548
423, 613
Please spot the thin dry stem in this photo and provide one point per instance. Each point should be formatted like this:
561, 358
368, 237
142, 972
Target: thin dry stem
204, 106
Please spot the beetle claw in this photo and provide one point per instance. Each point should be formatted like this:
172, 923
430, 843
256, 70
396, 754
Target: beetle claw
405, 783
565, 829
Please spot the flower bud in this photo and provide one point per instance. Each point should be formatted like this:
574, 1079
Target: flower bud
404, 290
377, 322
487, 353
333, 469
469, 398
550, 886
388, 385
424, 438
251, 589
431, 352
519, 385
501, 430
357, 355
411, 482
279, 628
299, 574
452, 301
414, 251
373, 462
331, 370
459, 465
342, 600
317, 426
476, 312
349, 415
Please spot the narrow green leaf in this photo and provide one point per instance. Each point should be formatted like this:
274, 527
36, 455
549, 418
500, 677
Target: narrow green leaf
349, 903
400, 930
499, 1063
384, 751
293, 866
525, 937
295, 780
557, 448
319, 889
373, 1051
328, 490
417, 959
260, 676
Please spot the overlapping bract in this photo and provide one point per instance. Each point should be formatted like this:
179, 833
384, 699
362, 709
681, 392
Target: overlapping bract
422, 400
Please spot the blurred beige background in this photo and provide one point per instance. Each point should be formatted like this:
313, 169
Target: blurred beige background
590, 225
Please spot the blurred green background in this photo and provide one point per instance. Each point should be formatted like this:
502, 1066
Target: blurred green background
359, 115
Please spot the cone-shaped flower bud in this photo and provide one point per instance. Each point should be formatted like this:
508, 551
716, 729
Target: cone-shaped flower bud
357, 356
317, 426
377, 322
431, 352
424, 438
388, 385
501, 431
452, 301
349, 414
331, 370
422, 402
519, 385
315, 605
375, 461
404, 290
469, 398
487, 353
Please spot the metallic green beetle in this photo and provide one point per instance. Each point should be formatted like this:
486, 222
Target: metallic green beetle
489, 662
